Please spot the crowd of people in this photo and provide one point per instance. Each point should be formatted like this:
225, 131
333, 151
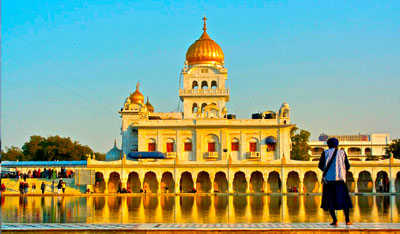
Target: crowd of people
24, 187
45, 173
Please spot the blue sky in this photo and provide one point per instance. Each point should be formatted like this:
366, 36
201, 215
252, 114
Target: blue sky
67, 67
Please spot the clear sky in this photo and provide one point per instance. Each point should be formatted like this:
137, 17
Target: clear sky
67, 67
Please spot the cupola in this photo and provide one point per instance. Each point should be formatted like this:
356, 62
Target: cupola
137, 97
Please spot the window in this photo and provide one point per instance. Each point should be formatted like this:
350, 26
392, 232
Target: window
188, 146
170, 147
204, 70
235, 146
151, 147
211, 146
253, 146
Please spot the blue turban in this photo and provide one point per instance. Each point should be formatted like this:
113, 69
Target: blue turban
332, 142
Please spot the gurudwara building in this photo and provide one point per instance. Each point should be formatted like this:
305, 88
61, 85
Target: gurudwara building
204, 148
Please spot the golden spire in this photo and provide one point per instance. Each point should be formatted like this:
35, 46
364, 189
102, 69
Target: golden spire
205, 24
149, 107
205, 50
137, 96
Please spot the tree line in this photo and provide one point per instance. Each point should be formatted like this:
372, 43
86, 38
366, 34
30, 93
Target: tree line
52, 148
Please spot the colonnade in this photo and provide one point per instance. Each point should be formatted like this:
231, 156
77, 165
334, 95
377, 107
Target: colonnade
237, 181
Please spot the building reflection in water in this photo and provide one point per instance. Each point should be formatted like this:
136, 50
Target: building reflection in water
190, 209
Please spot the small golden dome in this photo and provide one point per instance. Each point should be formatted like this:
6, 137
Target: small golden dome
149, 107
205, 50
137, 97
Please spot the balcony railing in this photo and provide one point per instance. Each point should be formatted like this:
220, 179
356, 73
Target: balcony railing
170, 154
203, 91
211, 155
253, 155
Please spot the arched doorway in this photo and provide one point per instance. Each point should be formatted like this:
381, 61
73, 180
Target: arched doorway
150, 183
239, 182
220, 183
99, 185
113, 182
203, 183
382, 182
256, 182
364, 182
397, 183
167, 183
274, 182
133, 184
311, 183
186, 182
350, 181
293, 182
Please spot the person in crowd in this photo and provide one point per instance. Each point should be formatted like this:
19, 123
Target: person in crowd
33, 187
3, 187
24, 177
63, 186
335, 195
21, 187
52, 186
54, 173
59, 186
43, 187
38, 173
26, 187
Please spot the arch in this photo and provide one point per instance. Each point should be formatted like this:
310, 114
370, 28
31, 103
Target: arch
203, 182
382, 182
167, 183
311, 183
274, 182
253, 145
99, 185
133, 184
169, 145
256, 182
150, 183
397, 182
350, 181
220, 183
271, 143
195, 85
186, 182
367, 151
195, 108
114, 182
317, 150
203, 106
239, 182
214, 84
354, 151
204, 85
293, 181
364, 182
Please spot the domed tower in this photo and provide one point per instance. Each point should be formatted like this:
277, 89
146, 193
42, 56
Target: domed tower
204, 77
149, 107
114, 153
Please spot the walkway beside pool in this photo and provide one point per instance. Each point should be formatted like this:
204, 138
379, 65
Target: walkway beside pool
200, 228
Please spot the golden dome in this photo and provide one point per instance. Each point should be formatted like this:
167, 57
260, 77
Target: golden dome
205, 50
149, 106
137, 97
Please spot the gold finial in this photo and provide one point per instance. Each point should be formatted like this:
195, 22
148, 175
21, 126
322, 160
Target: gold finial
205, 24
147, 98
137, 86
115, 142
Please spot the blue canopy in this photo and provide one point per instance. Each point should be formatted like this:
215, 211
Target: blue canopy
270, 140
154, 155
43, 163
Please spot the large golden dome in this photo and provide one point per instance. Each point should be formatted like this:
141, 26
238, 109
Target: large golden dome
137, 97
205, 50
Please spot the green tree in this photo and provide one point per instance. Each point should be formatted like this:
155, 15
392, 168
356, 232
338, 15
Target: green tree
100, 156
54, 148
300, 147
394, 148
12, 153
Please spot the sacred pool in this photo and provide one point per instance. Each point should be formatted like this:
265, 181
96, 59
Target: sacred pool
192, 208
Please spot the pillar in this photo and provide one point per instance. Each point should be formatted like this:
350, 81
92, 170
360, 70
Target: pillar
230, 187
373, 177
355, 184
212, 182
177, 183
392, 185
141, 179
194, 177
301, 185
248, 177
124, 181
283, 185
106, 178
